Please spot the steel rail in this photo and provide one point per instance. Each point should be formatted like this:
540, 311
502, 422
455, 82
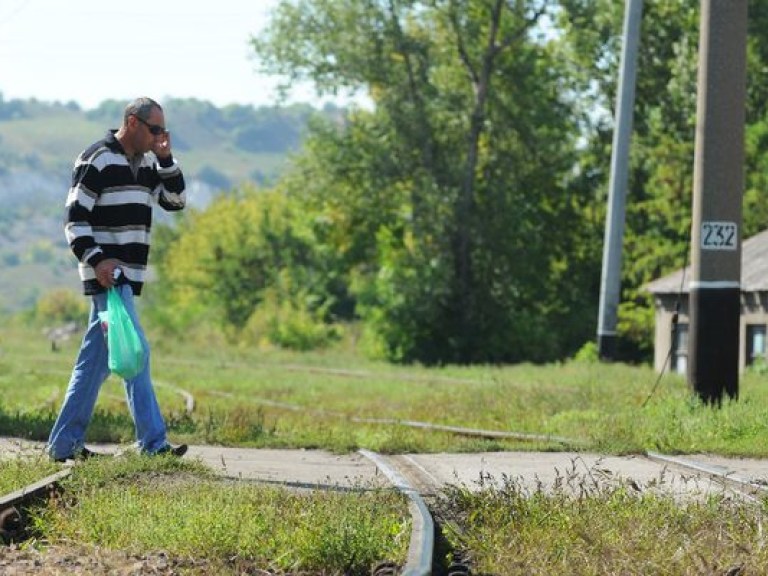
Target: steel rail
189, 399
476, 432
11, 519
728, 478
342, 372
422, 543
33, 490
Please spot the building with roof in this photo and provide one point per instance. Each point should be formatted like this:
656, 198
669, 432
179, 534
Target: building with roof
671, 294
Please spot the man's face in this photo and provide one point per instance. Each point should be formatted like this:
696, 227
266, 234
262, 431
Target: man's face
150, 133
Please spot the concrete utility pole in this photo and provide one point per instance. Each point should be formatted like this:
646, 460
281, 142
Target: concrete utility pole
610, 284
718, 186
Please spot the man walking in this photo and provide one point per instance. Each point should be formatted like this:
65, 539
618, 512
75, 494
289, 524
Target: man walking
115, 182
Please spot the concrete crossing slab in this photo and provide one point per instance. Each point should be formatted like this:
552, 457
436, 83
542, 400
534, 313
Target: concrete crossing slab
752, 469
296, 467
429, 472
293, 467
547, 471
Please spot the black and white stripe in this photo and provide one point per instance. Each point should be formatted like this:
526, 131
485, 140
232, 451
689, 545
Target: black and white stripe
109, 209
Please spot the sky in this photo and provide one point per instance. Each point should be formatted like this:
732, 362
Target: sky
92, 50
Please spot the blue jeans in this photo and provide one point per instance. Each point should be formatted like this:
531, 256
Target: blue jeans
91, 370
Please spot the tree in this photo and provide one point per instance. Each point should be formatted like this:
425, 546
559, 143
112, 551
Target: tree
440, 199
245, 249
658, 218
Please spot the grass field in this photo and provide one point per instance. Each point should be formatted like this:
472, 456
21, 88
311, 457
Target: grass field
274, 398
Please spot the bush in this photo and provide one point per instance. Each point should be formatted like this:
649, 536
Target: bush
289, 323
588, 353
60, 306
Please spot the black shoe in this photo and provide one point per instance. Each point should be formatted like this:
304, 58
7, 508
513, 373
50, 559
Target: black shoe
83, 454
177, 451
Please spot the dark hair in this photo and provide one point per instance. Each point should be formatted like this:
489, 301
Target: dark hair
141, 108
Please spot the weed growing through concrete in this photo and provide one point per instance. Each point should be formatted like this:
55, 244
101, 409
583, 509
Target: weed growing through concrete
585, 523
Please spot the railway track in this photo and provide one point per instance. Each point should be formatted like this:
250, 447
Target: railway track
406, 474
421, 546
403, 472
461, 431
12, 505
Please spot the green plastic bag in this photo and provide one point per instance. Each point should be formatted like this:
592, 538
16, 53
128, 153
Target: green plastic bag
127, 356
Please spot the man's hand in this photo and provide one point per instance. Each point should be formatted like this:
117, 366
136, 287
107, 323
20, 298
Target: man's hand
162, 145
105, 272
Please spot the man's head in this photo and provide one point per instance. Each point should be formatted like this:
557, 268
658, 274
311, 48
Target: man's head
143, 125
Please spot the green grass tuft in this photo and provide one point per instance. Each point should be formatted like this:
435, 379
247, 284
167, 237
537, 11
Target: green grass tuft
144, 504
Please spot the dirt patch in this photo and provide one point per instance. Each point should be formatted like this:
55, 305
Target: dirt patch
78, 560
57, 561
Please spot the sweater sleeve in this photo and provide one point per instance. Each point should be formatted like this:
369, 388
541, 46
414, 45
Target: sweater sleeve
172, 190
81, 199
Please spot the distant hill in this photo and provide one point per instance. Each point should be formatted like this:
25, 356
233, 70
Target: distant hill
219, 146
218, 149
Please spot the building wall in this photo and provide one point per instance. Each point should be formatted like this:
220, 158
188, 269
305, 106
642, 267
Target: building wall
665, 311
754, 311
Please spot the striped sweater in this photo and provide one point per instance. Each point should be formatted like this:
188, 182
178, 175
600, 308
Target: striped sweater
109, 208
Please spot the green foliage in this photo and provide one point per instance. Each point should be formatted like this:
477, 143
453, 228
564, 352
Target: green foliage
289, 320
198, 123
10, 259
41, 252
758, 367
461, 216
587, 353
18, 108
636, 321
402, 306
437, 199
248, 265
755, 207
60, 306
659, 202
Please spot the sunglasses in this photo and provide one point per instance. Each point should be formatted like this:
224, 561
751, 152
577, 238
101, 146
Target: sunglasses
154, 129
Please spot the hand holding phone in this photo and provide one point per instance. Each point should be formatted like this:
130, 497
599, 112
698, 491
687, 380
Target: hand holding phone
162, 146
